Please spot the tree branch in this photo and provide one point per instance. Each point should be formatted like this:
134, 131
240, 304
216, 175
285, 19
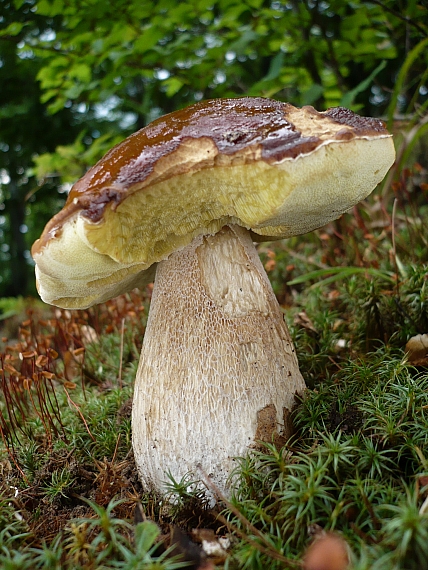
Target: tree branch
400, 16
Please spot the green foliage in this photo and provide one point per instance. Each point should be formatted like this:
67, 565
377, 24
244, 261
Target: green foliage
187, 496
71, 160
407, 531
334, 274
25, 129
76, 81
59, 485
356, 464
356, 477
98, 541
304, 53
10, 306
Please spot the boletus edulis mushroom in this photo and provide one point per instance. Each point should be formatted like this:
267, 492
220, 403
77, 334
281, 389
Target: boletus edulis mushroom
186, 197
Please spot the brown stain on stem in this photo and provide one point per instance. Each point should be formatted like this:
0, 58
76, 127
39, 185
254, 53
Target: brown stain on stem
268, 430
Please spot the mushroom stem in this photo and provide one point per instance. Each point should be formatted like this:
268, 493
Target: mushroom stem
218, 370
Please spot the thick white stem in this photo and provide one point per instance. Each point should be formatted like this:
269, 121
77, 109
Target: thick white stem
218, 371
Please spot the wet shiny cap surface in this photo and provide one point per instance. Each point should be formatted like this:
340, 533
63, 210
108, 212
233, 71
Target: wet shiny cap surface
262, 165
245, 129
232, 124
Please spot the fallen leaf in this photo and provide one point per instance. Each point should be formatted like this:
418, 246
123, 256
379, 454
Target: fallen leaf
423, 480
327, 552
417, 350
188, 550
302, 320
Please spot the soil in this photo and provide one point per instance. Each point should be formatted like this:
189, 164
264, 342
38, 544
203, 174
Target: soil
350, 420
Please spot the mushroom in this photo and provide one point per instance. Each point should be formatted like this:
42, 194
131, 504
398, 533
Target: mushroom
186, 197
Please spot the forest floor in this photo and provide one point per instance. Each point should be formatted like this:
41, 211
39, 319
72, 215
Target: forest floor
352, 481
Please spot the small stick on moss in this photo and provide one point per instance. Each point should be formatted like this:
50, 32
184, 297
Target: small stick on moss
122, 331
394, 249
79, 412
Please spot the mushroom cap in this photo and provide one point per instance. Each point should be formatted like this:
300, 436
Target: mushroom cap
265, 165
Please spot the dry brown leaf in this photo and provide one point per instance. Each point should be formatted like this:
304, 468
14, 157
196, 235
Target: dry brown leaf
189, 551
417, 350
328, 552
302, 320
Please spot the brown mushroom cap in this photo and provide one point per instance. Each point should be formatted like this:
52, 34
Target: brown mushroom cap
265, 165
